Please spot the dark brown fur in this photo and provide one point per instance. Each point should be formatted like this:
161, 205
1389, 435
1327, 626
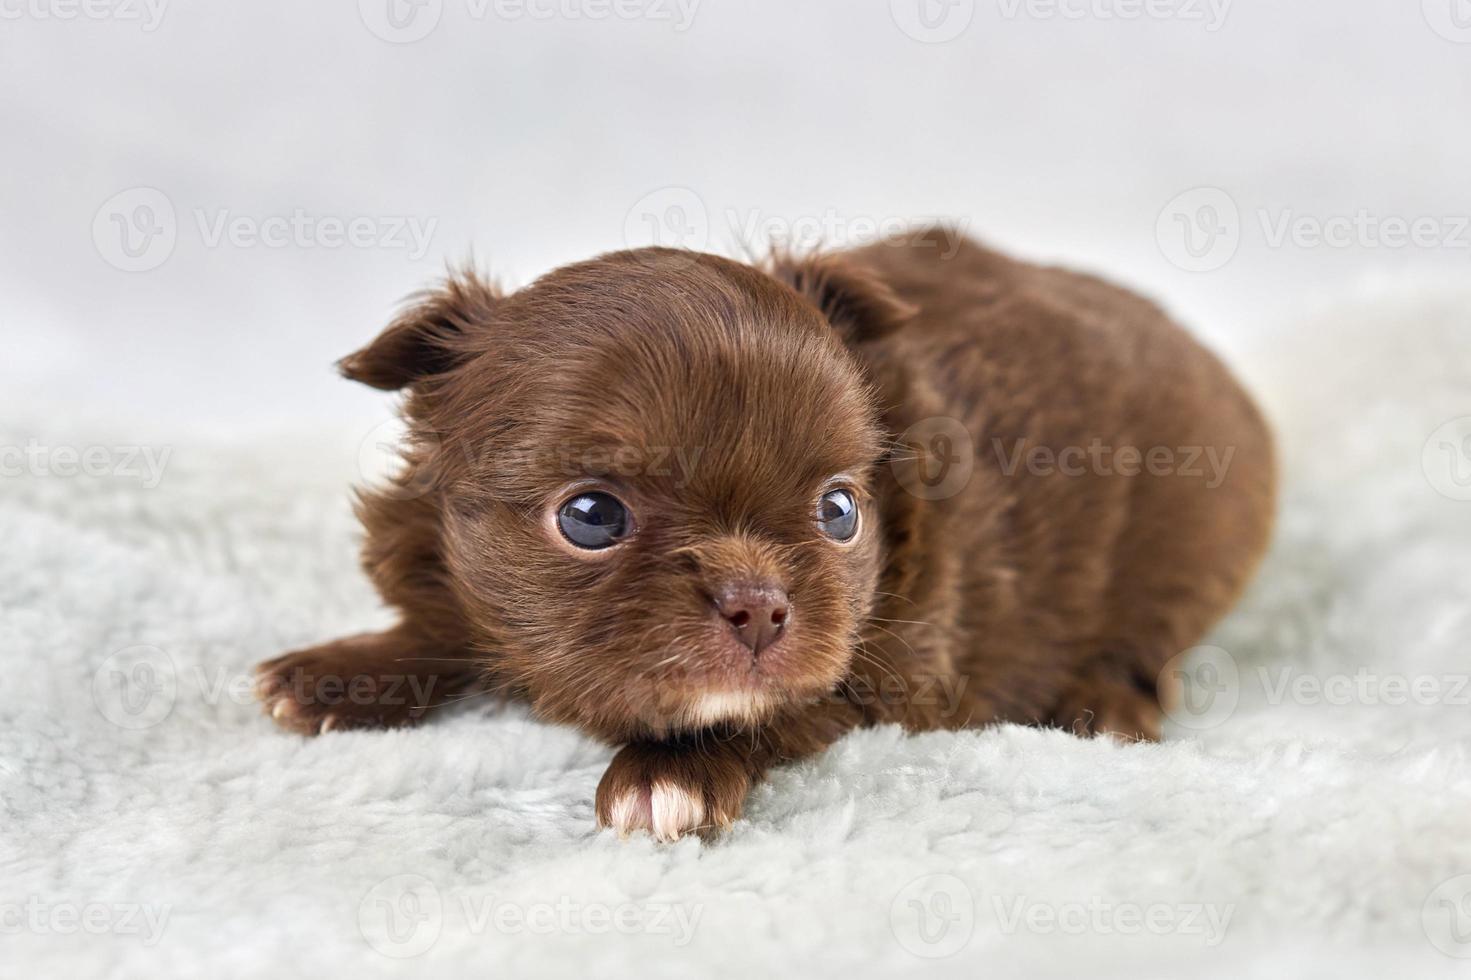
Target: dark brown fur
1027, 594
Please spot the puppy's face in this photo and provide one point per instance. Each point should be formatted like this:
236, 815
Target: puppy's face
653, 473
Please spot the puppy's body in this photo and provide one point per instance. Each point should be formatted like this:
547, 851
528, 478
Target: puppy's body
1057, 491
1071, 566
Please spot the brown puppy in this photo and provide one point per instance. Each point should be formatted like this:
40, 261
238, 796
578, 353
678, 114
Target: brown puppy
721, 515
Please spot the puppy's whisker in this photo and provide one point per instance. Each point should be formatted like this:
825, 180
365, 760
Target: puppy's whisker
463, 697
908, 622
899, 638
863, 656
429, 660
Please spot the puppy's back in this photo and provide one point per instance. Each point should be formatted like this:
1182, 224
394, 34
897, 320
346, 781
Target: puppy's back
1114, 554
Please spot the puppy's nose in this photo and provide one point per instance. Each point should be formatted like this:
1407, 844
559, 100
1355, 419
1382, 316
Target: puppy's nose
757, 611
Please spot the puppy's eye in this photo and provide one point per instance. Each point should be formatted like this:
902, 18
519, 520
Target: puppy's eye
593, 520
837, 515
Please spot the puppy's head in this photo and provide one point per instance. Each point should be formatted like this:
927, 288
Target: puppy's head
652, 474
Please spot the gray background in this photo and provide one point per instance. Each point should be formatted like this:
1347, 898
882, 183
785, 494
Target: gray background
531, 140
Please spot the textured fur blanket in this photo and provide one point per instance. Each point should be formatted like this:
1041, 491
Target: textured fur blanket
1307, 816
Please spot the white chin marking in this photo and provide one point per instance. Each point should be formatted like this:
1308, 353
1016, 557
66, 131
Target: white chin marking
726, 706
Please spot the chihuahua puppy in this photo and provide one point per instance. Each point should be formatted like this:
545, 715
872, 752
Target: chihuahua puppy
719, 515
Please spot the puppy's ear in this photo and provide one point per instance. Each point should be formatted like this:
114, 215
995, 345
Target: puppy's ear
853, 297
431, 336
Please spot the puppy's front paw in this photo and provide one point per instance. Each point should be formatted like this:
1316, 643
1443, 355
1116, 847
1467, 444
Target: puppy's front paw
358, 682
671, 790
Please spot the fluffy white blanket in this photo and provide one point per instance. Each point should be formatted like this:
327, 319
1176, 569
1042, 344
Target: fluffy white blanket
1308, 816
